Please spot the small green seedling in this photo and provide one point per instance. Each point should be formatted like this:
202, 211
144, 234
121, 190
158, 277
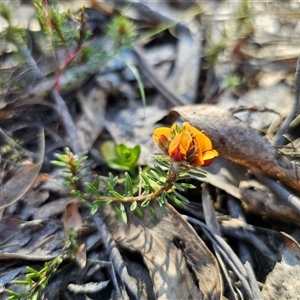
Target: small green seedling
121, 157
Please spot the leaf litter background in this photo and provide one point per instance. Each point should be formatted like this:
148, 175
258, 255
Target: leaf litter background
230, 71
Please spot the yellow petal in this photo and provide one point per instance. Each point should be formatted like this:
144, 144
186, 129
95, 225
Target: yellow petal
210, 154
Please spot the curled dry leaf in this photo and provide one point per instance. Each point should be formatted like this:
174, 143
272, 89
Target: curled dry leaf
171, 250
236, 141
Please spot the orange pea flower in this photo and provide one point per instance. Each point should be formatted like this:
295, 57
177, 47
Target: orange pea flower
185, 144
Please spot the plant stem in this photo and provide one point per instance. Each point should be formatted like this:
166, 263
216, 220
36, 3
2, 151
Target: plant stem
173, 175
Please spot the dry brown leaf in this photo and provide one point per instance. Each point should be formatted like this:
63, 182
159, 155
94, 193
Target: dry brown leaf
283, 282
31, 240
239, 143
91, 122
166, 262
22, 177
72, 219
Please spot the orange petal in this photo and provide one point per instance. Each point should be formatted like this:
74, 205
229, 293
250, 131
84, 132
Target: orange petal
203, 142
198, 161
191, 129
174, 148
161, 131
185, 143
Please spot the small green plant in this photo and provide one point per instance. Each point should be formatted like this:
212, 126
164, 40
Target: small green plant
122, 31
73, 166
12, 151
232, 81
184, 149
121, 157
238, 27
35, 281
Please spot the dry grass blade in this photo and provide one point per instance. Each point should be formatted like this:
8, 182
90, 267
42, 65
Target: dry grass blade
239, 143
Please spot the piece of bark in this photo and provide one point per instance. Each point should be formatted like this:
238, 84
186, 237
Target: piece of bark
236, 141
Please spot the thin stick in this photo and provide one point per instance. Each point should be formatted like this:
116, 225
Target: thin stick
116, 257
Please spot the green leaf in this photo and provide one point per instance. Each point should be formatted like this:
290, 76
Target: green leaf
147, 183
116, 194
96, 182
128, 185
162, 160
94, 209
87, 203
200, 174
175, 200
101, 202
136, 152
108, 150
145, 203
139, 82
180, 197
187, 185
156, 176
15, 294
120, 212
133, 206
123, 213
20, 282
113, 180
120, 157
164, 197
118, 164
139, 212
160, 171
91, 188
152, 175
161, 202
35, 296
124, 152
129, 156
35, 272
178, 186
164, 210
152, 213
59, 163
